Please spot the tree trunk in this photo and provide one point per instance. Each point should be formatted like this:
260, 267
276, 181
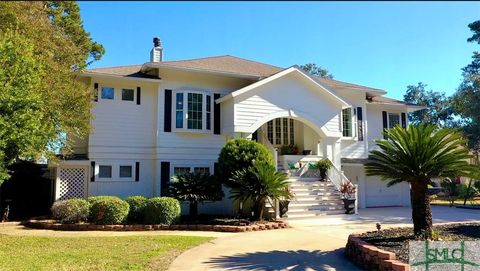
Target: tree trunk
258, 207
193, 211
421, 211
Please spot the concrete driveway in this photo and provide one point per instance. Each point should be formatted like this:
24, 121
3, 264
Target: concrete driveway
315, 244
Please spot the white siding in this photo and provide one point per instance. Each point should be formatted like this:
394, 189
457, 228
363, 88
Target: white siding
289, 93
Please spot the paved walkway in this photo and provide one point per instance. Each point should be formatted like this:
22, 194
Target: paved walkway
315, 244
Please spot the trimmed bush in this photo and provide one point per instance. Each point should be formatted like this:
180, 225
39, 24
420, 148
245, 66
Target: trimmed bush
137, 208
240, 154
92, 200
108, 210
162, 210
70, 210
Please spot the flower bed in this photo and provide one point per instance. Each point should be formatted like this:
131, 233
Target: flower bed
53, 225
378, 250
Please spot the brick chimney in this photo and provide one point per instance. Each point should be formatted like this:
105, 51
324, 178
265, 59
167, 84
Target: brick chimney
156, 55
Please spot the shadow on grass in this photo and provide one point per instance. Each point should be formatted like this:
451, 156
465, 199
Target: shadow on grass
293, 260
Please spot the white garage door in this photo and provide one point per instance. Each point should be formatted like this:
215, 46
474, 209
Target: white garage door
379, 195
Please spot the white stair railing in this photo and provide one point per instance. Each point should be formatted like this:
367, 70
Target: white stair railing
336, 176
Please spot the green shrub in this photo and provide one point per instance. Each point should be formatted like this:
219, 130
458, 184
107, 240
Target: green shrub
70, 210
137, 208
162, 210
239, 154
108, 210
92, 200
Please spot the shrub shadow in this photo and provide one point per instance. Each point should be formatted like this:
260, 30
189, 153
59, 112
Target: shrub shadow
293, 260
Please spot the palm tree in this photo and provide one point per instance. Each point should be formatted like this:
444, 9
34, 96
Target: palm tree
259, 183
417, 155
195, 188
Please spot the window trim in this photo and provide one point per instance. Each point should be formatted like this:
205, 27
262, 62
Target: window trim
185, 128
191, 166
133, 94
101, 92
111, 172
352, 126
131, 171
399, 114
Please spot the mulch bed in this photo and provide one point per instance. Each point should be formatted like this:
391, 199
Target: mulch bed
396, 240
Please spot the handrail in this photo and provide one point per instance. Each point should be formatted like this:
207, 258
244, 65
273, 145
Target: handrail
272, 149
336, 176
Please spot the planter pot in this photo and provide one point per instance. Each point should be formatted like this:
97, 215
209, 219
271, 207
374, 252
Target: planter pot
283, 207
349, 205
306, 152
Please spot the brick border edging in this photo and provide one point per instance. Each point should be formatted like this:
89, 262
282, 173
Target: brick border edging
52, 225
370, 257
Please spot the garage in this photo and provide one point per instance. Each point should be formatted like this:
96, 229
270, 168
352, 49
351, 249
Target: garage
379, 195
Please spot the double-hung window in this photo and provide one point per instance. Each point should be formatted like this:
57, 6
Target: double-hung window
393, 119
193, 111
347, 122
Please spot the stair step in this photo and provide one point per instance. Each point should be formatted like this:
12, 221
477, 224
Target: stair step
329, 201
296, 210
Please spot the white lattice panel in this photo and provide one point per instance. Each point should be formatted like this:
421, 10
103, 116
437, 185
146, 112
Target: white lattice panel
71, 182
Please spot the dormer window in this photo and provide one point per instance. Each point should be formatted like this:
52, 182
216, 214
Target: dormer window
193, 110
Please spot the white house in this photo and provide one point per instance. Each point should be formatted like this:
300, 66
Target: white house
160, 118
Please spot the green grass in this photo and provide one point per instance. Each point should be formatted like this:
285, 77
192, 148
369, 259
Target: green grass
92, 253
441, 201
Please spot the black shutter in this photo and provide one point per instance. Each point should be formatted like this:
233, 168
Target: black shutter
360, 123
92, 176
404, 120
216, 115
95, 92
139, 90
215, 168
167, 121
164, 178
385, 123
137, 171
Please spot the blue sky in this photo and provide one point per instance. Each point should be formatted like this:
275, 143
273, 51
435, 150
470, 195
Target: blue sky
385, 45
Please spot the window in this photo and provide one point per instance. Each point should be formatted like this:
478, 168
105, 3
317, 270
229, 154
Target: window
193, 111
108, 93
127, 94
292, 133
270, 131
209, 111
125, 171
278, 131
347, 122
104, 171
180, 170
202, 170
179, 111
393, 119
282, 132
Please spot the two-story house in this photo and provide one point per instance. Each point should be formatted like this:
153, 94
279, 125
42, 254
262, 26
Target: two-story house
161, 118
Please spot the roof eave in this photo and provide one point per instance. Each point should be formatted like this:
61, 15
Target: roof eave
150, 65
113, 76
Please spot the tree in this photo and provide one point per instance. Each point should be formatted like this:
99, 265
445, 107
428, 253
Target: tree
259, 183
316, 70
239, 154
438, 107
195, 188
59, 45
466, 99
417, 155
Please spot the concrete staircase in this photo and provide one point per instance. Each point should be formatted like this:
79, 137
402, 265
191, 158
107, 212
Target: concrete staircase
313, 198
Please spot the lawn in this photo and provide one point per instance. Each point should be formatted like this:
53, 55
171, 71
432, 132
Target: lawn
92, 253
442, 201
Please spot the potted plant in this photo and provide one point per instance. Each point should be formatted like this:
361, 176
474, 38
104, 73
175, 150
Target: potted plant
289, 150
323, 166
284, 202
348, 191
